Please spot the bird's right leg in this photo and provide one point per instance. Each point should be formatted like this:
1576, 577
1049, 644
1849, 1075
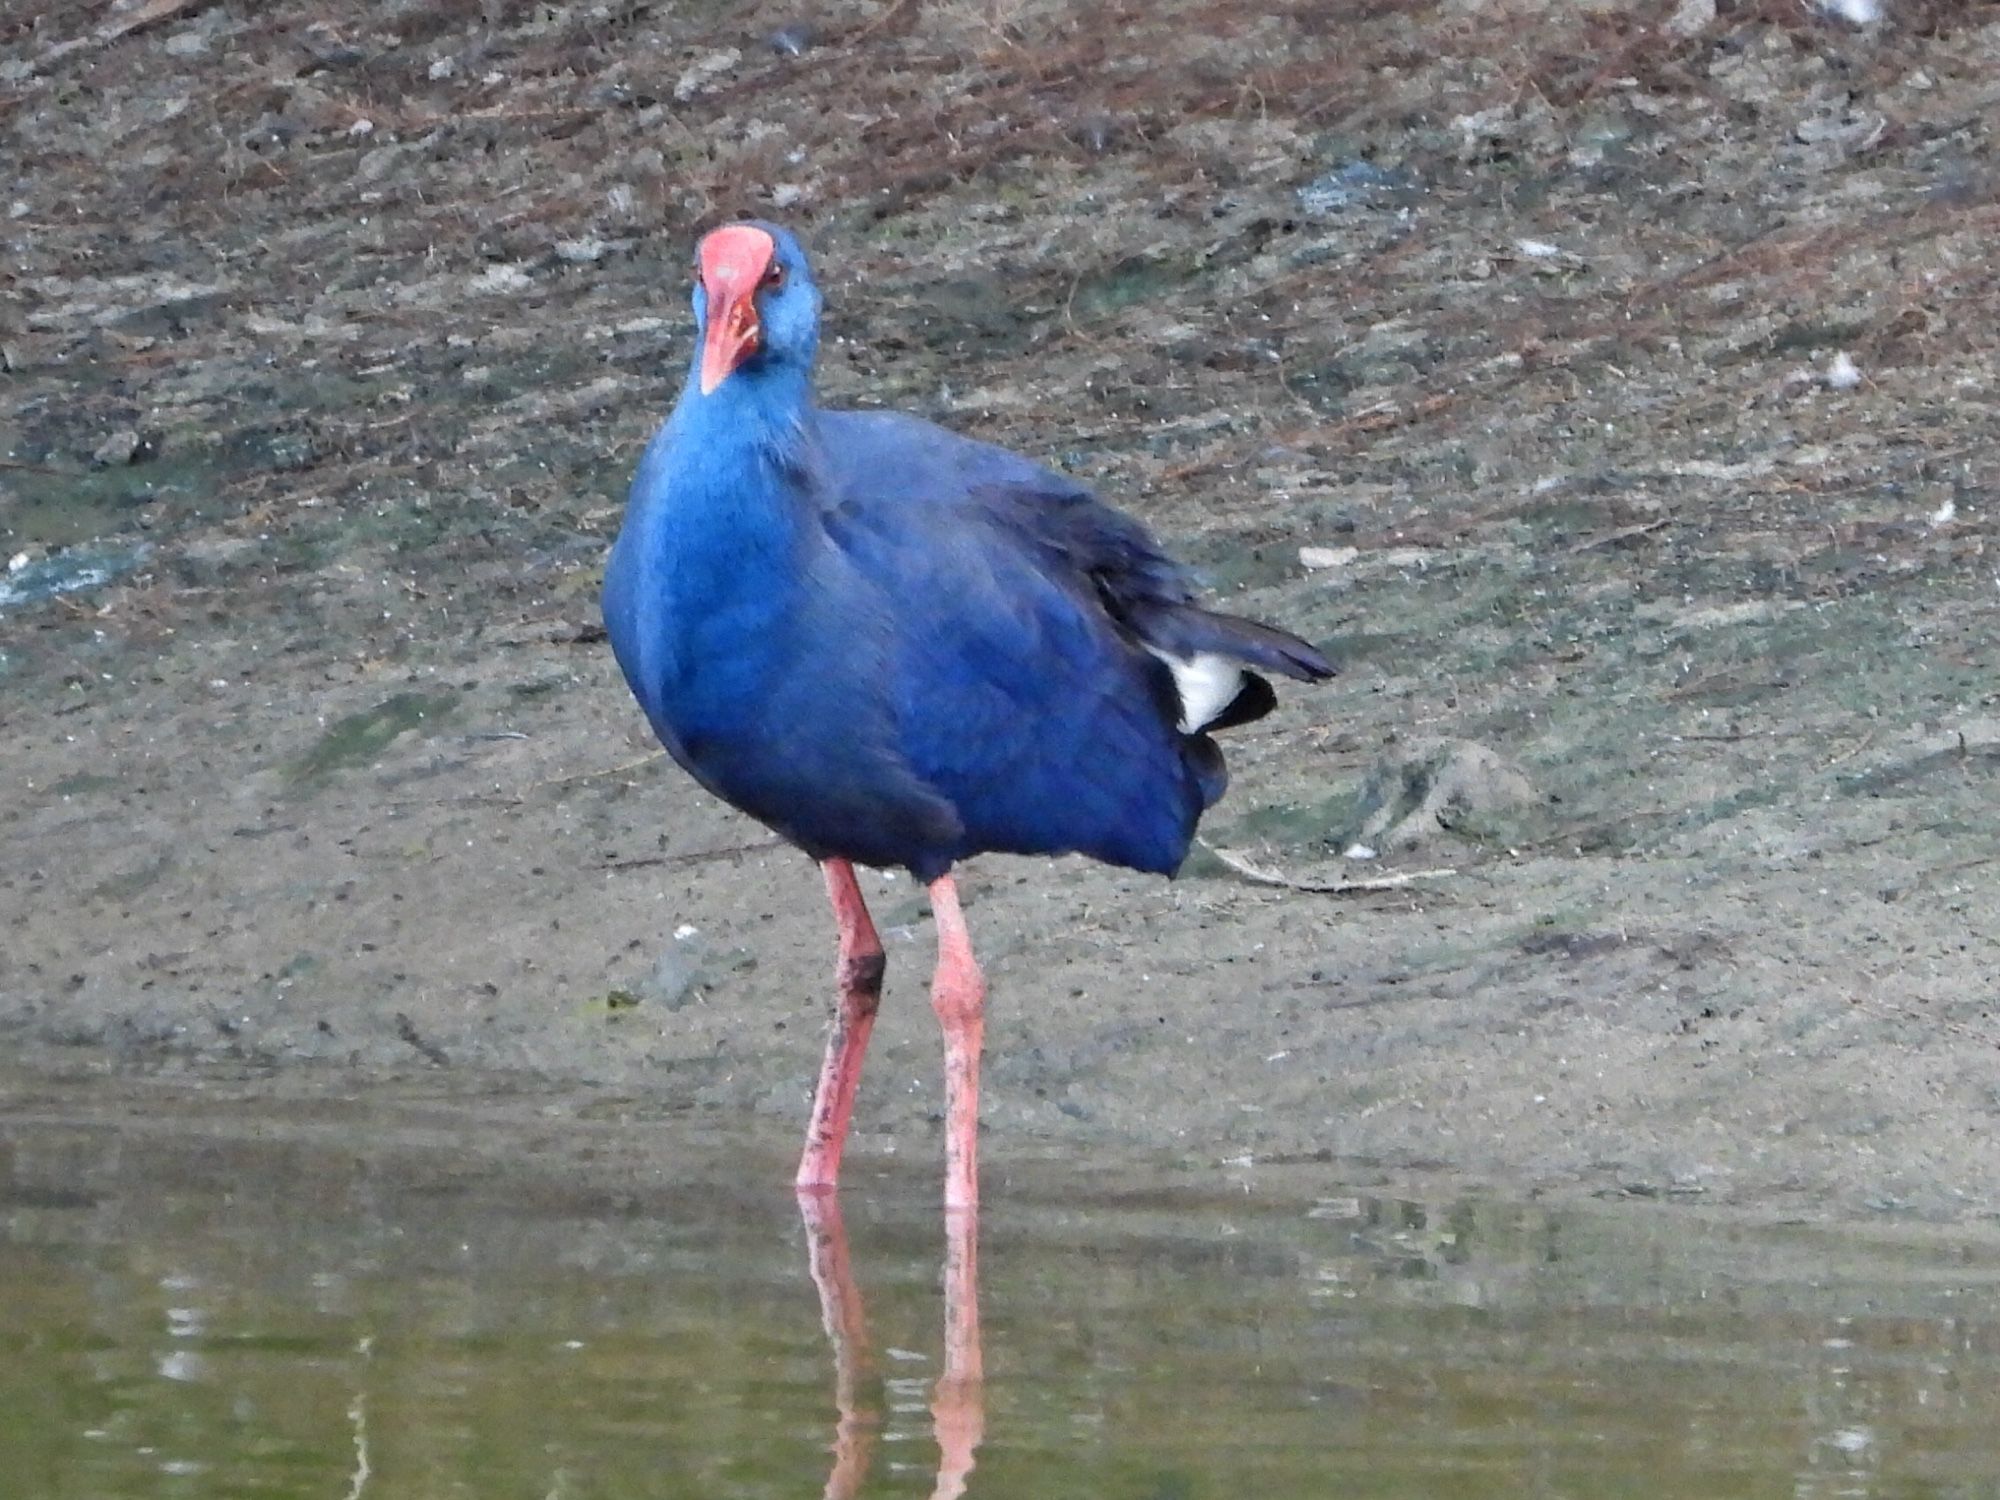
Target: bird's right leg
958, 995
859, 977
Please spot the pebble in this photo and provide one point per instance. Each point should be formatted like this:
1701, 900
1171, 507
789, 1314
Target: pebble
1690, 18
119, 448
500, 277
705, 70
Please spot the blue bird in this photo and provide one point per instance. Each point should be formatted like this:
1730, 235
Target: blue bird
896, 646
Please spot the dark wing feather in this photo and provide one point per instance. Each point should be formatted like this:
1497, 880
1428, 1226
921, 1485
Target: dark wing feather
1146, 592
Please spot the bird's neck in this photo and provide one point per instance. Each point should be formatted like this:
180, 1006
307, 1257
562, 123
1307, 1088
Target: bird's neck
697, 583
718, 491
759, 418
721, 471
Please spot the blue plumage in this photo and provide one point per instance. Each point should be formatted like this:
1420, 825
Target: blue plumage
901, 647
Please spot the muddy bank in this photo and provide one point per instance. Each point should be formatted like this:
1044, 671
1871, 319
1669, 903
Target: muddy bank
1611, 394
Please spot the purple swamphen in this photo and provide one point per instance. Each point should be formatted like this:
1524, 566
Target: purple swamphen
899, 647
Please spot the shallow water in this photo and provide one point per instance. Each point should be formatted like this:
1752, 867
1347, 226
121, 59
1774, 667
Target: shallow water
25, 579
355, 1305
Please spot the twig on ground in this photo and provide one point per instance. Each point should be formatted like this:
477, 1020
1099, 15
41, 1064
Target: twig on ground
697, 857
1848, 754
1622, 534
1260, 875
630, 765
406, 1030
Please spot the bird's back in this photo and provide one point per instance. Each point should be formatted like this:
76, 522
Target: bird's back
1011, 688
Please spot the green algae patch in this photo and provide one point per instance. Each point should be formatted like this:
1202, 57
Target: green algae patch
361, 738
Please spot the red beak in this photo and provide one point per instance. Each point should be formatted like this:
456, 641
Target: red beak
733, 262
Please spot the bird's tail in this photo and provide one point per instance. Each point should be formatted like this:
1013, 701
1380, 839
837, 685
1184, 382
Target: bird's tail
1183, 630
1209, 656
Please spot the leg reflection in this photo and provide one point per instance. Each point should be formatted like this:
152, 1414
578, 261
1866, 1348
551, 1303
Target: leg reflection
847, 1330
958, 1406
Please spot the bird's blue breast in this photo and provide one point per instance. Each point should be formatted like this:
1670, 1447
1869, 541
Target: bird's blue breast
698, 594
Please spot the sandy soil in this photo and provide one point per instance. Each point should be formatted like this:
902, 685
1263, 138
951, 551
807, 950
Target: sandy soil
1612, 388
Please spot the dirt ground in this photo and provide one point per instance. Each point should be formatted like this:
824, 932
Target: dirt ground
1611, 388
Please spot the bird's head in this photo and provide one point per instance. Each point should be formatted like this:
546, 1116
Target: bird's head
755, 305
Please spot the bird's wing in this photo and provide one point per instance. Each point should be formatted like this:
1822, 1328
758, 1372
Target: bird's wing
1146, 592
1077, 543
1044, 721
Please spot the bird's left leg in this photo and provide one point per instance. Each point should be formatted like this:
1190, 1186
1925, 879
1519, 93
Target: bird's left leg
958, 995
859, 978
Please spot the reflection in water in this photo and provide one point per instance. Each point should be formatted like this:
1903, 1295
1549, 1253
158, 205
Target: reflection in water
958, 1405
847, 1331
358, 1309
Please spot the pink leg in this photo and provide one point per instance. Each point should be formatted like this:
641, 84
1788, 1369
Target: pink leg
958, 995
859, 977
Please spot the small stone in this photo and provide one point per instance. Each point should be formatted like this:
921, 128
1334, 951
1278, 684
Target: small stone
1690, 18
1842, 374
791, 41
119, 448
377, 163
442, 68
788, 195
1446, 786
1327, 557
1481, 131
705, 70
500, 277
675, 978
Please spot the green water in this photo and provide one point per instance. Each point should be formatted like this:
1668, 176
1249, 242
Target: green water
236, 1305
